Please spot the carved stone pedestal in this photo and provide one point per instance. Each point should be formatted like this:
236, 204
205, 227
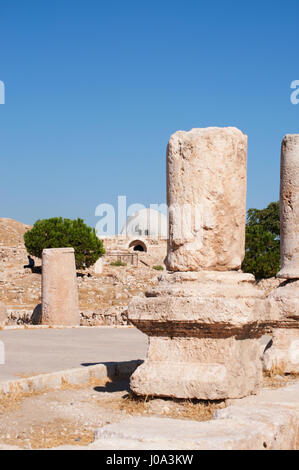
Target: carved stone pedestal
204, 332
283, 355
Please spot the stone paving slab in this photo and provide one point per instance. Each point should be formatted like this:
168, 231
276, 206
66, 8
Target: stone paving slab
57, 380
285, 396
269, 420
40, 351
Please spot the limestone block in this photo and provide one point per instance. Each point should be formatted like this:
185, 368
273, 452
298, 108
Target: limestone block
289, 207
59, 288
283, 421
202, 368
271, 428
283, 355
204, 336
286, 297
206, 192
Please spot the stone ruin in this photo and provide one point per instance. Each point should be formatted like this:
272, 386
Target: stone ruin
59, 288
3, 314
205, 319
284, 353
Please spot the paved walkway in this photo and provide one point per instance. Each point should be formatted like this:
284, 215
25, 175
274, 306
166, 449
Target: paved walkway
39, 351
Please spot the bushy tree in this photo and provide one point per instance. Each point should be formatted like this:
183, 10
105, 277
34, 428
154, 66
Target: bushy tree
61, 233
262, 249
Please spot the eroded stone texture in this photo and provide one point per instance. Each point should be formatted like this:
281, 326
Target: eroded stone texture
206, 195
203, 333
59, 288
268, 421
283, 355
3, 314
286, 297
98, 267
289, 207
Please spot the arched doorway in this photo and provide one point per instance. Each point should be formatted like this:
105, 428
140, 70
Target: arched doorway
138, 245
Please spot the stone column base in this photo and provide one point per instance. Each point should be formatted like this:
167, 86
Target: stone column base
204, 335
203, 368
283, 355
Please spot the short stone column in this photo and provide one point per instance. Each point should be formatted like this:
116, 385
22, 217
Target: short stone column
59, 288
283, 355
203, 318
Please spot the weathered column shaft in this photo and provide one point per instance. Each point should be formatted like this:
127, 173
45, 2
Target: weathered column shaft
289, 207
206, 192
59, 288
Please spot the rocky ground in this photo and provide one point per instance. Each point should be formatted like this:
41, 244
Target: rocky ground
103, 298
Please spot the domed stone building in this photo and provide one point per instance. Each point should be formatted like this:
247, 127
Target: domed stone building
144, 225
144, 233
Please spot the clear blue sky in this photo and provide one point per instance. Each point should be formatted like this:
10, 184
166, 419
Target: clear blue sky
94, 89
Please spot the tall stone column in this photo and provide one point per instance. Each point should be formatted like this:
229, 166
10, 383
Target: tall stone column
283, 356
289, 207
59, 288
203, 317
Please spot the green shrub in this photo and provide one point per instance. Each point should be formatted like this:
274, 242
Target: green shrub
62, 233
118, 263
158, 268
262, 249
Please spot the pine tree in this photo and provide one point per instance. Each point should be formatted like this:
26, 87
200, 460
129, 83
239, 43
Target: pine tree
62, 233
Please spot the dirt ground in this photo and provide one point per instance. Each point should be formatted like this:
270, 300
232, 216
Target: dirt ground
70, 416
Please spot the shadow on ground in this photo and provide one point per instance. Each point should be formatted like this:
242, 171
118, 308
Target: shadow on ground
115, 386
119, 374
